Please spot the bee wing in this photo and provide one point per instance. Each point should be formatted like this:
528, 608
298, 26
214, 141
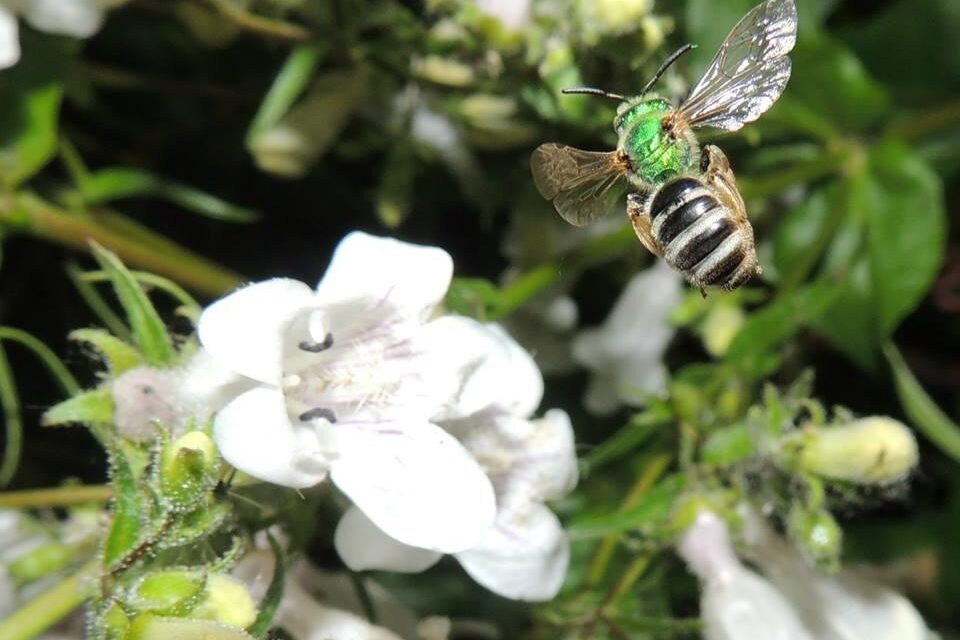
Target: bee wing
583, 185
749, 72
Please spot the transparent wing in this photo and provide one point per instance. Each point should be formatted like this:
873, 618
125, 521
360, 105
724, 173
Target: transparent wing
583, 185
749, 72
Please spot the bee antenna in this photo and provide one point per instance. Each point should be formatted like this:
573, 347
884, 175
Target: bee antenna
666, 65
594, 92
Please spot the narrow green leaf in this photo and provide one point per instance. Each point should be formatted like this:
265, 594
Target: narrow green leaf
118, 355
625, 441
271, 600
89, 407
12, 421
45, 355
30, 96
922, 411
124, 532
97, 303
652, 509
114, 183
149, 332
290, 82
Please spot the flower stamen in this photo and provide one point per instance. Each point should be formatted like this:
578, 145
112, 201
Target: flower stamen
313, 346
316, 413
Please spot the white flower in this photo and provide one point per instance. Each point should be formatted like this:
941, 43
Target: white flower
736, 604
525, 554
626, 353
844, 606
77, 18
351, 379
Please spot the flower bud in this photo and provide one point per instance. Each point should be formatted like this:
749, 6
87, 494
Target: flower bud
188, 468
818, 534
151, 627
170, 592
226, 600
875, 450
445, 71
40, 562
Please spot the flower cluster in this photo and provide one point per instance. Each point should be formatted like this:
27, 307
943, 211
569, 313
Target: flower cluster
791, 600
421, 419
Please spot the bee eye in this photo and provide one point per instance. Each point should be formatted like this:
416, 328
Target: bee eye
704, 162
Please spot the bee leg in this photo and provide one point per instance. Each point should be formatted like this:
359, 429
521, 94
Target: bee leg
636, 211
703, 292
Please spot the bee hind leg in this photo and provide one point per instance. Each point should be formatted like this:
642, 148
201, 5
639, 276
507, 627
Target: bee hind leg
640, 219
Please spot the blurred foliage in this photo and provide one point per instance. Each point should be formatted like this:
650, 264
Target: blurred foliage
302, 119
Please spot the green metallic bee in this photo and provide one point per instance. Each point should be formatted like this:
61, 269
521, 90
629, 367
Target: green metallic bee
702, 214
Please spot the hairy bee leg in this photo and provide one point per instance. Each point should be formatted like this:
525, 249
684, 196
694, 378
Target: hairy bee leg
636, 211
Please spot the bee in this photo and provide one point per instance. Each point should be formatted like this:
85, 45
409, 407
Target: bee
698, 224
657, 146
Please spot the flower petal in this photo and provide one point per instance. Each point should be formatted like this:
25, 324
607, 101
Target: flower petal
249, 330
363, 546
255, 435
413, 278
491, 370
77, 18
415, 482
523, 557
9, 38
306, 618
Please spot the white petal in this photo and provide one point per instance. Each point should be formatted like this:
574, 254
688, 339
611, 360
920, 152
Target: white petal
833, 607
9, 38
306, 619
415, 482
524, 556
249, 330
363, 546
77, 18
528, 460
206, 385
491, 369
412, 278
600, 397
255, 435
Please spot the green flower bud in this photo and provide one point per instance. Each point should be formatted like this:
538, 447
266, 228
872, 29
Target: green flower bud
151, 627
818, 534
226, 600
40, 562
170, 592
188, 469
613, 16
445, 71
875, 450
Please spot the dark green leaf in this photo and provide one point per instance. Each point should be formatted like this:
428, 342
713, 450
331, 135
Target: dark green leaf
650, 510
290, 82
30, 95
149, 332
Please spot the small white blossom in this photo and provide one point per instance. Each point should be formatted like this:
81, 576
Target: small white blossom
844, 606
736, 603
626, 353
77, 18
525, 554
351, 379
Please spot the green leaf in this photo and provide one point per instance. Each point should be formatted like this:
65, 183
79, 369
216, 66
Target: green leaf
118, 355
89, 407
149, 332
114, 183
625, 441
800, 230
881, 278
922, 411
123, 535
271, 600
30, 95
830, 80
650, 510
290, 82
474, 297
12, 421
728, 446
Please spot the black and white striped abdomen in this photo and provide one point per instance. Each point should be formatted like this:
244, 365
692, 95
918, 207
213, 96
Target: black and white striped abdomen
700, 236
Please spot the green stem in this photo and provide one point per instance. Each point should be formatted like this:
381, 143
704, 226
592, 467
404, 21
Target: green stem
46, 356
49, 607
927, 122
149, 251
260, 25
55, 497
12, 420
